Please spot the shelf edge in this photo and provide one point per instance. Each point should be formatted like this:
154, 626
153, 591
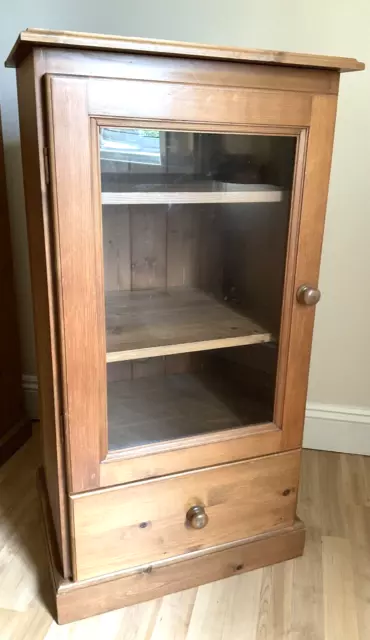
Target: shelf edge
187, 347
140, 198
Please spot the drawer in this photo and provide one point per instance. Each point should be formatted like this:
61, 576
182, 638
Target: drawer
144, 522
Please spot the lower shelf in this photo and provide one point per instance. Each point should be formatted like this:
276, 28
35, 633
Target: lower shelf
154, 409
146, 324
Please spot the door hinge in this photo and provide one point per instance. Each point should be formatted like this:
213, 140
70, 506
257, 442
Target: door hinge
63, 436
46, 165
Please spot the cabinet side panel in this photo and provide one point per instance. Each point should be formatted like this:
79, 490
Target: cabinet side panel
39, 238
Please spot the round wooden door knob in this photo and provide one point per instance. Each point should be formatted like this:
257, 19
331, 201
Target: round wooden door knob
196, 517
308, 295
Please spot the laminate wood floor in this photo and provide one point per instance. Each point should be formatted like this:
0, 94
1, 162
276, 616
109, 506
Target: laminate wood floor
325, 595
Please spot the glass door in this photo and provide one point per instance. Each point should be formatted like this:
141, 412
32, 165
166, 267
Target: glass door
195, 233
185, 219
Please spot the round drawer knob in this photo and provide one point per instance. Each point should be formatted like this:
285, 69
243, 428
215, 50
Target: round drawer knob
308, 295
196, 517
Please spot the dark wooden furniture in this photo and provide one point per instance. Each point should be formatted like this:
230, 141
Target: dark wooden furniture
15, 427
176, 198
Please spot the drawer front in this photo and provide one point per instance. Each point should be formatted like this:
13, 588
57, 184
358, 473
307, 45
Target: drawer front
143, 522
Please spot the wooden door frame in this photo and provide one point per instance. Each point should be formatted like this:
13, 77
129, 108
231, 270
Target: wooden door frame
231, 444
76, 108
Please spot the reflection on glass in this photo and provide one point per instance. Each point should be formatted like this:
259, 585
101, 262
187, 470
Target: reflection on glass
195, 232
134, 146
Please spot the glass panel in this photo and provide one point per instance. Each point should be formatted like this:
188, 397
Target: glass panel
195, 230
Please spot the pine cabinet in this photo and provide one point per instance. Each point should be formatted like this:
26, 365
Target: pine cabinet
175, 200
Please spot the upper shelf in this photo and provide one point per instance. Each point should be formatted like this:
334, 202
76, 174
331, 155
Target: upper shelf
194, 193
75, 39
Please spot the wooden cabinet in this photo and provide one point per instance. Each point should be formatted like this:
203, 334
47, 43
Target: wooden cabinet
176, 197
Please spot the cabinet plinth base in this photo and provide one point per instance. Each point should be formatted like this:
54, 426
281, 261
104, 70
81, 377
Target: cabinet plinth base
76, 600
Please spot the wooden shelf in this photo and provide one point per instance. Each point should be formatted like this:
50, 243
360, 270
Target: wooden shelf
146, 324
193, 193
162, 408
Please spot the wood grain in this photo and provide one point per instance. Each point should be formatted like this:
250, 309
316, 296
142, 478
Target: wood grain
188, 71
193, 193
116, 248
148, 231
41, 251
99, 283
241, 500
250, 493
195, 103
310, 235
222, 607
78, 278
307, 609
80, 40
254, 258
213, 447
184, 246
288, 300
271, 438
164, 322
105, 596
339, 592
288, 599
82, 599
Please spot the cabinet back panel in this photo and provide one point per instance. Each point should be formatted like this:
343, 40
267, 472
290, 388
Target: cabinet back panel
155, 247
116, 248
233, 252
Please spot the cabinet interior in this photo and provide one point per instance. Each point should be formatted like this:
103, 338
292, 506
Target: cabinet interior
195, 231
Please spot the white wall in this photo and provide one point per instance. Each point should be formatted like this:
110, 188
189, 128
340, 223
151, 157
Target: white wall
340, 371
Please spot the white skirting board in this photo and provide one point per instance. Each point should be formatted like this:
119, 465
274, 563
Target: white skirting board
337, 428
30, 395
327, 427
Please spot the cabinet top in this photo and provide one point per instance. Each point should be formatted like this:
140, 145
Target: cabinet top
77, 40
